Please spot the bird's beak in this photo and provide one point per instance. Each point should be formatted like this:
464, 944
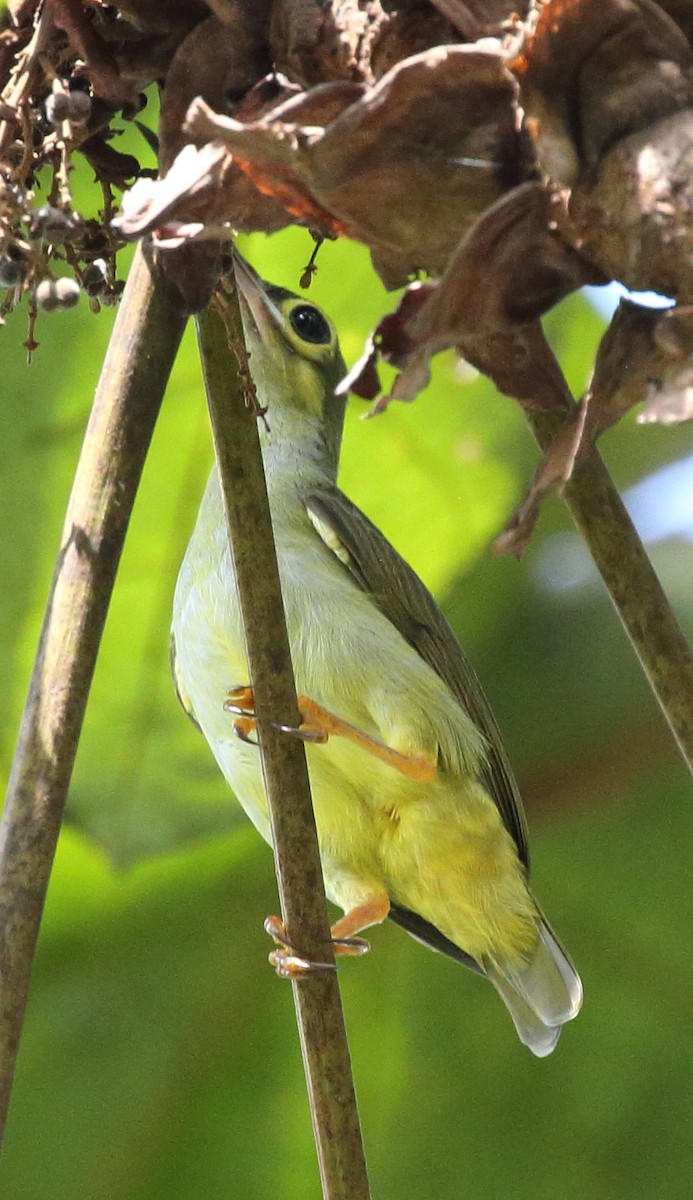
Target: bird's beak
256, 305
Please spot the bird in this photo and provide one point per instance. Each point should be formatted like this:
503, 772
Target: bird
418, 814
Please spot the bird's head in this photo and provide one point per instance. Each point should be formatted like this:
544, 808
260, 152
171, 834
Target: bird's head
295, 360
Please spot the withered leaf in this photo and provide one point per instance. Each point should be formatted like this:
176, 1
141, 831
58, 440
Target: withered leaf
218, 60
474, 18
552, 474
645, 355
596, 71
111, 165
412, 29
163, 16
509, 269
633, 216
406, 167
315, 42
21, 11
626, 358
85, 41
673, 332
390, 341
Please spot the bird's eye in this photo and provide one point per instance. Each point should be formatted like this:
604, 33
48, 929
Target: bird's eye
309, 323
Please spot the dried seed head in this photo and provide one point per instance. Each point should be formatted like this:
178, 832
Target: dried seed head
11, 271
54, 224
67, 291
58, 108
80, 107
94, 278
57, 293
45, 295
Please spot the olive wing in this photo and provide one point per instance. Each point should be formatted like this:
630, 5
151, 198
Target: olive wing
399, 593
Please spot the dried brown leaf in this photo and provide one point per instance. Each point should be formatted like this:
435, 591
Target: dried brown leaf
21, 11
673, 332
70, 16
509, 269
163, 16
596, 71
633, 217
315, 42
110, 165
407, 167
552, 474
474, 18
412, 30
645, 355
680, 11
626, 358
218, 60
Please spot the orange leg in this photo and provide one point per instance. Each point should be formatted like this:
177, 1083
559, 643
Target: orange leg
290, 965
318, 724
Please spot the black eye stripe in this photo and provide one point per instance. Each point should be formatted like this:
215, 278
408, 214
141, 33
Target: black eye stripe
309, 323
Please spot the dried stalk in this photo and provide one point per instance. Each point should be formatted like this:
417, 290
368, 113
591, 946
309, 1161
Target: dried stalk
631, 581
318, 1004
142, 349
23, 77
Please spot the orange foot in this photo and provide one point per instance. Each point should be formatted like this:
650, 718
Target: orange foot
318, 724
290, 965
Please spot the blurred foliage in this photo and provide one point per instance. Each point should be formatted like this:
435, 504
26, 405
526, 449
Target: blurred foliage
160, 1057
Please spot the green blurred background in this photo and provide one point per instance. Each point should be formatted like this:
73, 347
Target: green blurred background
160, 1057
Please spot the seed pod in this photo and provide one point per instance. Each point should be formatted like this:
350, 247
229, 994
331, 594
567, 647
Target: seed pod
45, 295
93, 238
67, 292
79, 104
57, 293
58, 108
13, 264
54, 224
94, 277
11, 272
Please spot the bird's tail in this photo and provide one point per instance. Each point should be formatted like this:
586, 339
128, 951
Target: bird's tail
540, 996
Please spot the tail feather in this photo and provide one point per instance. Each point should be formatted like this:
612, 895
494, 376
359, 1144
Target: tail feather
540, 996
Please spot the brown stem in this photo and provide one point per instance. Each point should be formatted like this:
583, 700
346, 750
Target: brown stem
18, 88
318, 1004
140, 356
632, 583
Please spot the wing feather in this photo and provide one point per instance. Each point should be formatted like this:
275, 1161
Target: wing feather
399, 593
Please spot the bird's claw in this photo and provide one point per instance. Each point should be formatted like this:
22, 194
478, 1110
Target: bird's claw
307, 733
355, 946
239, 700
243, 727
284, 959
292, 966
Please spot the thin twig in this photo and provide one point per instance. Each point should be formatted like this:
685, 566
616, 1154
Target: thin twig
23, 76
133, 379
631, 581
318, 1005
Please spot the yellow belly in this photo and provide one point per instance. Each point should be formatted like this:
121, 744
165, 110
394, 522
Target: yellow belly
439, 849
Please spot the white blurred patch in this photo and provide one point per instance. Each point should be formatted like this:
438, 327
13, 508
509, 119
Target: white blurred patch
605, 300
661, 506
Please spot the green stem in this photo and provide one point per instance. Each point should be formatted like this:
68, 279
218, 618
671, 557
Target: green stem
141, 353
299, 875
632, 583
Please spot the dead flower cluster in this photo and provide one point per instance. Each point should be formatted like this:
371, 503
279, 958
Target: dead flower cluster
493, 156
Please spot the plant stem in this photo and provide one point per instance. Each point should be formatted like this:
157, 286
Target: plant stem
141, 353
299, 875
631, 581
